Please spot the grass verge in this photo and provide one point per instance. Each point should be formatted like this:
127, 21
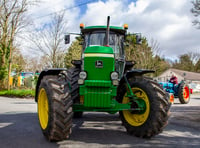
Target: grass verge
18, 93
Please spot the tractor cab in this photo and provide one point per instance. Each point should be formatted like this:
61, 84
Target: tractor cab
95, 37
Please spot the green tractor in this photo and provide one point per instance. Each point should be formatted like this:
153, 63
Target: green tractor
102, 81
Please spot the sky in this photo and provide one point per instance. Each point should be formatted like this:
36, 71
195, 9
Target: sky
169, 23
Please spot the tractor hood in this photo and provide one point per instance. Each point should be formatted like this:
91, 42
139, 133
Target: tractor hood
99, 49
99, 62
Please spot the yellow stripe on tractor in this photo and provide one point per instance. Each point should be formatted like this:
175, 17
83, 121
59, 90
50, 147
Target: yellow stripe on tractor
98, 55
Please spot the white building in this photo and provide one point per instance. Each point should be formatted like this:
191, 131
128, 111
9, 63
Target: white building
190, 77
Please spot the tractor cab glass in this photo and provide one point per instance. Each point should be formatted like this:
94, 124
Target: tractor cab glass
116, 40
98, 38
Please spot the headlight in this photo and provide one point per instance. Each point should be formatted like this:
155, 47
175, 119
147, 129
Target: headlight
80, 81
83, 75
115, 82
114, 75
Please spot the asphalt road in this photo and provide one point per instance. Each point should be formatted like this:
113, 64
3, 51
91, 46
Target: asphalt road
19, 128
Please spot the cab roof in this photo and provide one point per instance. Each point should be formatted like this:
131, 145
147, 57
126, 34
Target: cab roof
117, 29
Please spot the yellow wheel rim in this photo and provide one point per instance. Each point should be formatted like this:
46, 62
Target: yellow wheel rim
43, 108
137, 119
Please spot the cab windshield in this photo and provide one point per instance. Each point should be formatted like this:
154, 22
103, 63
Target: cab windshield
99, 39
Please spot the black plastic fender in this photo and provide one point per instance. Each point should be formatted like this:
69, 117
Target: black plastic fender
134, 72
53, 71
137, 72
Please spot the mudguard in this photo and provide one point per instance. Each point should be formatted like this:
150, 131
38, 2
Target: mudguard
53, 71
135, 72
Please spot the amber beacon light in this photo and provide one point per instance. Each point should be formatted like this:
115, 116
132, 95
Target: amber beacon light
125, 26
81, 25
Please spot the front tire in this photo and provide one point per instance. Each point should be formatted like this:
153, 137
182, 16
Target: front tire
151, 121
55, 107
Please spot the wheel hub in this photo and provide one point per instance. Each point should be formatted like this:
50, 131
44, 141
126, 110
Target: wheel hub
137, 116
43, 108
138, 105
186, 93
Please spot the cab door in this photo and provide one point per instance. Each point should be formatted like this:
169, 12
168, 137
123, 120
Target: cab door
116, 42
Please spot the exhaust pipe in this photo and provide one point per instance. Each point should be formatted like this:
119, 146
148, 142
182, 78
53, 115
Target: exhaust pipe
107, 31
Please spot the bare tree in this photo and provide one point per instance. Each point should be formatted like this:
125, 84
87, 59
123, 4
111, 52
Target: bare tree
12, 21
32, 64
49, 41
196, 12
146, 56
155, 46
142, 54
194, 56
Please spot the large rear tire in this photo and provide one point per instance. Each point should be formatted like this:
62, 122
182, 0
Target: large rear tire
151, 121
55, 107
184, 93
74, 74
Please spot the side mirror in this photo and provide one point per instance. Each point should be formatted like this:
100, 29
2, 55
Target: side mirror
67, 39
138, 38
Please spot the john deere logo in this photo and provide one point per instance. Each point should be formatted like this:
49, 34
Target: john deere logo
99, 64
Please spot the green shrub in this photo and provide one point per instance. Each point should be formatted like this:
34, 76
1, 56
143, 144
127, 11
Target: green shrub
18, 93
